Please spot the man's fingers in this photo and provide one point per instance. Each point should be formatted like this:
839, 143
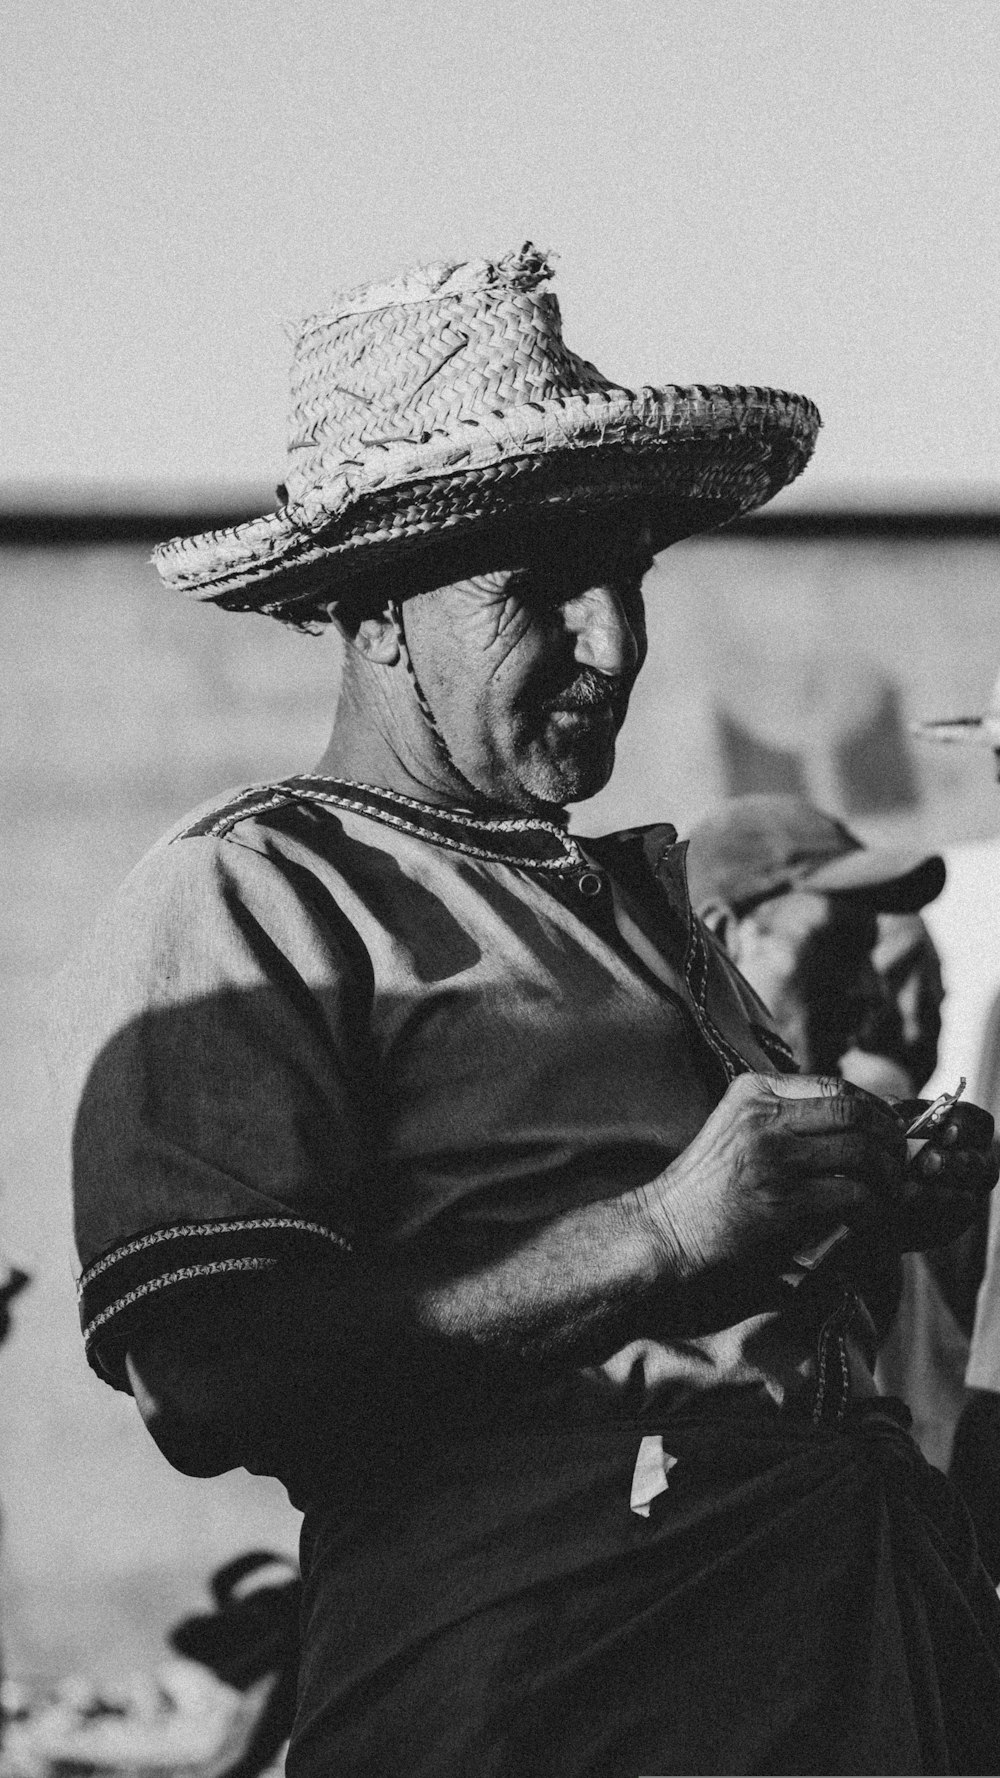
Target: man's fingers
809, 1086
837, 1197
852, 1152
973, 1125
833, 1102
965, 1169
966, 1126
804, 1118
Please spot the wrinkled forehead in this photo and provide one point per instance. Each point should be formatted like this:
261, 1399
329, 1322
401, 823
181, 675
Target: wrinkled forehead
617, 543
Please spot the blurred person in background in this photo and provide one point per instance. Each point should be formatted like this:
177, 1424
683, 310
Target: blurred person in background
795, 899
925, 1356
904, 1025
828, 934
975, 1462
434, 1161
12, 1281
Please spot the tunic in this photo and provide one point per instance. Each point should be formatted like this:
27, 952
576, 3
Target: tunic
323, 1022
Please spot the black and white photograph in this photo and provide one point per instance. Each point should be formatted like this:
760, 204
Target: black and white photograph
500, 931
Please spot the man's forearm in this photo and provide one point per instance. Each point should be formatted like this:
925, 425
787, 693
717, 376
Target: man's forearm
778, 1162
569, 1291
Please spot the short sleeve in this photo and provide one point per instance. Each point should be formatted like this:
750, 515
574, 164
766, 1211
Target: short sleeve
217, 1062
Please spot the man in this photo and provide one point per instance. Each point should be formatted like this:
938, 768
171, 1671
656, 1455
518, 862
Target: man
12, 1282
794, 898
904, 1028
975, 1463
923, 1360
828, 933
430, 1160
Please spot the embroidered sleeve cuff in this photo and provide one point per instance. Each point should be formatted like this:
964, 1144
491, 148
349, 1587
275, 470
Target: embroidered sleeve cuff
118, 1289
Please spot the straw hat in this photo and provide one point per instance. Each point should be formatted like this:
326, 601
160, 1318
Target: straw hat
448, 401
967, 731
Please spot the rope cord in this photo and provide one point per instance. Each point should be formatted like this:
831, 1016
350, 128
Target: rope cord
395, 607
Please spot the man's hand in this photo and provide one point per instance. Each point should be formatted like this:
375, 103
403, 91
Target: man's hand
779, 1164
782, 1160
946, 1182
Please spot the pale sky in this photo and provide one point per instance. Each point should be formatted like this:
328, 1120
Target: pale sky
769, 191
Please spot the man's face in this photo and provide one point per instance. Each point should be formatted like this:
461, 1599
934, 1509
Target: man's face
809, 958
528, 668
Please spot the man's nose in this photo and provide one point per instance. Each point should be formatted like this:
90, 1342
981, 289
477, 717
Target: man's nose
603, 636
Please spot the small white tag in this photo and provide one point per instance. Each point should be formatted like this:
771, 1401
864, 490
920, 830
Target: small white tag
649, 1478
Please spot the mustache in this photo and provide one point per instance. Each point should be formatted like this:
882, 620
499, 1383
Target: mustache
590, 690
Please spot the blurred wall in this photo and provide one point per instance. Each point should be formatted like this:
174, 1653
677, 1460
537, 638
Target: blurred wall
795, 655
120, 708
786, 660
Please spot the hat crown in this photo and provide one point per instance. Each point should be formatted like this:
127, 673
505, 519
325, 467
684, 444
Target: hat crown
393, 364
446, 405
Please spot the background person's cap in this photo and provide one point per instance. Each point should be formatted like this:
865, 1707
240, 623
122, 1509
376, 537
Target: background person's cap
754, 847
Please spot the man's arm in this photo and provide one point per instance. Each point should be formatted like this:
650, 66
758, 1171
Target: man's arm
777, 1164
304, 1351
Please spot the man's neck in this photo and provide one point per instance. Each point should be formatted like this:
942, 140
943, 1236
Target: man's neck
384, 771
395, 753
387, 743
349, 760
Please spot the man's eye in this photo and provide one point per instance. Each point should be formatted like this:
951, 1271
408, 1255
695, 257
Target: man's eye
543, 592
546, 591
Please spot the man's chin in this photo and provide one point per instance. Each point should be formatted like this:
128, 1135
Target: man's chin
576, 778
579, 752
540, 779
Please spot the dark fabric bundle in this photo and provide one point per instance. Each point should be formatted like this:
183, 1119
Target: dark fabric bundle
795, 1602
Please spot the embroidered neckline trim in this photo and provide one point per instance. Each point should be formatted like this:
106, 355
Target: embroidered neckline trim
475, 836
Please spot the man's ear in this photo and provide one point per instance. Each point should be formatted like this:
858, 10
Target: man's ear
724, 926
373, 635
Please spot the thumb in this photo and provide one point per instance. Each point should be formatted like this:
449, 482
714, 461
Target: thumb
828, 1086
811, 1086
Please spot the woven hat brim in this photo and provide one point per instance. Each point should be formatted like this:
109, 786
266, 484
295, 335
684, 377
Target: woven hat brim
696, 458
961, 731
